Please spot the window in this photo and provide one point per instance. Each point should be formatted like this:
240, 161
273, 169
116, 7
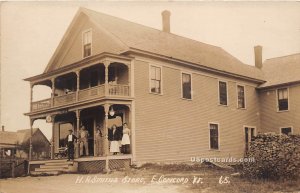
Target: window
241, 96
283, 102
222, 93
286, 130
87, 43
214, 136
186, 86
155, 81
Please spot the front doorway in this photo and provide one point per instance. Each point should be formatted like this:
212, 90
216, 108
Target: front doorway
88, 123
249, 133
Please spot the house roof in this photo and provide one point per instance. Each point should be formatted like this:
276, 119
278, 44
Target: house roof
14, 138
137, 37
156, 41
281, 70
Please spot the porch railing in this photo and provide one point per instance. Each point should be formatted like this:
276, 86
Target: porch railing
84, 94
90, 93
65, 99
118, 89
42, 104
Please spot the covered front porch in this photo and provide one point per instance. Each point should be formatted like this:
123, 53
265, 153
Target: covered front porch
88, 164
97, 156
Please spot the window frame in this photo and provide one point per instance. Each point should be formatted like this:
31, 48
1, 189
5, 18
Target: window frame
280, 129
82, 38
237, 97
227, 96
277, 99
161, 79
209, 137
181, 74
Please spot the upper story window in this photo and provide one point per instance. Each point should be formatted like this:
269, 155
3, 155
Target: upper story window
214, 136
155, 79
222, 93
241, 97
186, 86
286, 130
283, 101
87, 43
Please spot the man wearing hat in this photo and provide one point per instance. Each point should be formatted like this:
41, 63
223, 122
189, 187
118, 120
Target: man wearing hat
70, 144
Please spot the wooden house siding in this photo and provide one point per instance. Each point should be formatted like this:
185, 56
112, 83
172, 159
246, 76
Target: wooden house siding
271, 119
169, 128
101, 42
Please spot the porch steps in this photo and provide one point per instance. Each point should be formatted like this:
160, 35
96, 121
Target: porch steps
55, 167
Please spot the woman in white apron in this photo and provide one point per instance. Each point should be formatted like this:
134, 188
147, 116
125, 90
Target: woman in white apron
113, 138
126, 139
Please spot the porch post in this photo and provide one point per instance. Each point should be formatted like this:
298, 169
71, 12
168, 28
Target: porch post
105, 131
30, 140
78, 84
77, 153
30, 145
53, 91
52, 140
132, 125
106, 64
129, 79
31, 95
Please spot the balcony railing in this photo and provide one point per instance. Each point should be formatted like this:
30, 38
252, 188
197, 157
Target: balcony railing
118, 90
91, 93
84, 94
40, 105
65, 99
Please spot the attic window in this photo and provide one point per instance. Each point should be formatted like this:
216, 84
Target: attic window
87, 43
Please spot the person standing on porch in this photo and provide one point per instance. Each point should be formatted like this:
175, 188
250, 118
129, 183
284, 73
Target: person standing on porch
70, 144
125, 139
84, 134
98, 140
113, 137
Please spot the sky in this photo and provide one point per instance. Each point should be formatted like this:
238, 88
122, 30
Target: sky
31, 31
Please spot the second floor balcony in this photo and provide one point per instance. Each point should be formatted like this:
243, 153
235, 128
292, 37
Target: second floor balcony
94, 82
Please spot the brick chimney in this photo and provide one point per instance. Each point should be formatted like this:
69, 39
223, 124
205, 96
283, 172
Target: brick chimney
3, 128
166, 21
258, 56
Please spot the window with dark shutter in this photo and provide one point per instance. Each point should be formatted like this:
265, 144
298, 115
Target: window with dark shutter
283, 102
186, 86
214, 136
222, 93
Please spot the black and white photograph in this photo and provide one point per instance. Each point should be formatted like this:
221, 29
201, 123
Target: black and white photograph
149, 96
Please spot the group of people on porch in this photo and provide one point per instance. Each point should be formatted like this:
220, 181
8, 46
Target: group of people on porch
118, 137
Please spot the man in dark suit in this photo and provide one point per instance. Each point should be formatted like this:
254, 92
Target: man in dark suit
70, 144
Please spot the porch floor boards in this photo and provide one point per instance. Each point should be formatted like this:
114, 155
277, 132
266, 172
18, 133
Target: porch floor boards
82, 159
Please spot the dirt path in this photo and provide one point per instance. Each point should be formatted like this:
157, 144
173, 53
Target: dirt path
67, 184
